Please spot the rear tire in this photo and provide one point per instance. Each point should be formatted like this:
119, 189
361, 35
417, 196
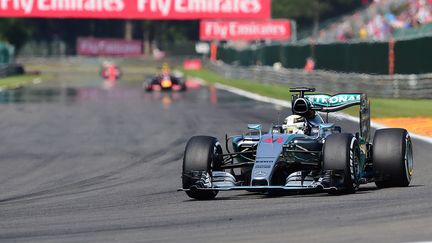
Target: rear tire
202, 156
147, 87
341, 154
392, 158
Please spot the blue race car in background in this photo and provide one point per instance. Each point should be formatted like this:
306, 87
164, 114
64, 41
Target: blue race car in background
305, 153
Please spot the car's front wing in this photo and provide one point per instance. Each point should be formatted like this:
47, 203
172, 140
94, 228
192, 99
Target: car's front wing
315, 188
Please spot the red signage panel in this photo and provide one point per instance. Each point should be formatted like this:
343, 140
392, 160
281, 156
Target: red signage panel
108, 47
137, 9
245, 30
192, 64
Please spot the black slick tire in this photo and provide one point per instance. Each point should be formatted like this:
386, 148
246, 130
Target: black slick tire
341, 154
202, 155
392, 158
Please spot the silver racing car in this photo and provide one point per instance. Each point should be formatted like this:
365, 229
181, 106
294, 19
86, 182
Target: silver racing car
305, 153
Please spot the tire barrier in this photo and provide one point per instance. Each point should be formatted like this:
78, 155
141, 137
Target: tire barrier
11, 69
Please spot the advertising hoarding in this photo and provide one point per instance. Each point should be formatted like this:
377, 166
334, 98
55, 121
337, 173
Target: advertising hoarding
108, 47
137, 9
245, 30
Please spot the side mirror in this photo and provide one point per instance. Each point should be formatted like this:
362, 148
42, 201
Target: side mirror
255, 127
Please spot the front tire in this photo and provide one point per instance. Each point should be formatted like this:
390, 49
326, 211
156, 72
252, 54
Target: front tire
147, 87
392, 158
202, 156
183, 87
341, 154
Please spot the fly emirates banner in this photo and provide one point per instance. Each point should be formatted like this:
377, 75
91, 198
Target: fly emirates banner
279, 29
137, 9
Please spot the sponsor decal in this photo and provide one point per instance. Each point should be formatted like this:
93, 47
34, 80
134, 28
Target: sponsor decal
260, 173
336, 100
166, 83
137, 9
108, 47
245, 30
264, 161
262, 166
269, 140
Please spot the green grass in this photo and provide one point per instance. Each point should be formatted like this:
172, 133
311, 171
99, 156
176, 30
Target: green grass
17, 81
270, 90
380, 107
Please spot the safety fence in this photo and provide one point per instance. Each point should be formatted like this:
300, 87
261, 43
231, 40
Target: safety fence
55, 48
11, 69
410, 56
390, 86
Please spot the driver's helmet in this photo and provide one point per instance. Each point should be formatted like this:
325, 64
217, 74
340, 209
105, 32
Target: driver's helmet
294, 124
165, 68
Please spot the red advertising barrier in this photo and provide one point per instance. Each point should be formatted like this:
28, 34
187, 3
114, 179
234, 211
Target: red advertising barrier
137, 9
192, 64
108, 47
245, 30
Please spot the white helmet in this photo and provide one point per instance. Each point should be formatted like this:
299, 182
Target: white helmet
294, 124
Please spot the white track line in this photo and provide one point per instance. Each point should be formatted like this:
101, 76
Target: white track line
287, 104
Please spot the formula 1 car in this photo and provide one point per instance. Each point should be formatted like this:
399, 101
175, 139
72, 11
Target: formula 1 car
305, 153
166, 81
110, 71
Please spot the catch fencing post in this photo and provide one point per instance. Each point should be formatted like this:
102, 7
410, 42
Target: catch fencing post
391, 64
213, 51
391, 58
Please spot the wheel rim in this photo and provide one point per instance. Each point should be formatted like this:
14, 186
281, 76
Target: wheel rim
355, 168
212, 164
214, 155
354, 164
409, 161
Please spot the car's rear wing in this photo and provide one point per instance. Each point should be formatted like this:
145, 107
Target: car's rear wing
304, 102
337, 102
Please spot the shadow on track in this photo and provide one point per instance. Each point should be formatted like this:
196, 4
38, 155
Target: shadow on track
263, 196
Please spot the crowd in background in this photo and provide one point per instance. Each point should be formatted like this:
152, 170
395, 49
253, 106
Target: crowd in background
379, 20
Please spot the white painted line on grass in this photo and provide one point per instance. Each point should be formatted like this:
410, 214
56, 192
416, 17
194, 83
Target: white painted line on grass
253, 96
287, 104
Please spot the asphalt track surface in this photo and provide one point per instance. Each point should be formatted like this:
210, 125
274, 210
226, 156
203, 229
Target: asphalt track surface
94, 165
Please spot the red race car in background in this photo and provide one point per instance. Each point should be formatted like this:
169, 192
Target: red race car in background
110, 71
